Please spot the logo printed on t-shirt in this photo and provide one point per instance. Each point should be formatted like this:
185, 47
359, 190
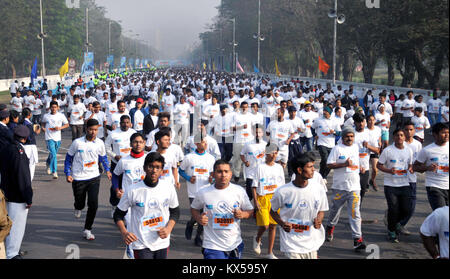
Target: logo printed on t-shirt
153, 203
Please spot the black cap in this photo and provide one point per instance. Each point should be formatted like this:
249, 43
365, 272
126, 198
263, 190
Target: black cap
22, 131
291, 108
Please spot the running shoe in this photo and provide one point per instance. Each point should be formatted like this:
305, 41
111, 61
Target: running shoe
88, 235
402, 230
271, 257
359, 245
55, 175
49, 171
77, 213
329, 233
393, 237
256, 246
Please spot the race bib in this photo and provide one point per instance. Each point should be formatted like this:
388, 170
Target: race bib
152, 223
269, 189
400, 172
223, 221
124, 150
442, 168
300, 227
89, 165
363, 152
351, 169
200, 171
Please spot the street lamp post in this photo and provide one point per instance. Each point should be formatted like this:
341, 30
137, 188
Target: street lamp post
337, 19
42, 35
87, 29
234, 44
259, 36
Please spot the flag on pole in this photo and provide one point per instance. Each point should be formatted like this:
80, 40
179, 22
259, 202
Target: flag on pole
256, 70
276, 68
64, 68
238, 65
323, 66
33, 75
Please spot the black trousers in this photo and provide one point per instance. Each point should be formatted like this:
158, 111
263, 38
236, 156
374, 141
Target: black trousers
80, 190
437, 197
364, 181
192, 221
147, 254
248, 188
324, 152
295, 150
226, 148
399, 204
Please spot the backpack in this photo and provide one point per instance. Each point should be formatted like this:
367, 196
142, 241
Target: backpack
5, 221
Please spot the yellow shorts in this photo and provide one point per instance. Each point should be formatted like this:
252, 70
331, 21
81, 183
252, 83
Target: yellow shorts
263, 217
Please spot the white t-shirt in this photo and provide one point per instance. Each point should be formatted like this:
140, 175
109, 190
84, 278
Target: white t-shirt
375, 136
171, 162
383, 125
434, 105
222, 126
364, 154
268, 179
420, 123
444, 114
181, 113
168, 102
37, 110
435, 154
323, 127
118, 143
199, 166
138, 124
149, 212
223, 232
85, 158
400, 159
436, 224
132, 170
254, 154
308, 118
17, 103
213, 147
300, 207
415, 146
347, 178
298, 126
243, 135
54, 120
76, 114
407, 103
398, 106
28, 102
101, 118
280, 133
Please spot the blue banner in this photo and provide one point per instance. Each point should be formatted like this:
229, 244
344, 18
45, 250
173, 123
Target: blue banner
123, 63
110, 61
137, 63
34, 75
131, 63
88, 66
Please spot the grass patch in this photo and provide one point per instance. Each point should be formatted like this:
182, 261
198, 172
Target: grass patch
5, 97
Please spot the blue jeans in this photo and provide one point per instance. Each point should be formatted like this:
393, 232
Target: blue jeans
308, 142
53, 147
210, 254
433, 117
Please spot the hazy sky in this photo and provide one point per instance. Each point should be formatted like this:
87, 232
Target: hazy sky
170, 25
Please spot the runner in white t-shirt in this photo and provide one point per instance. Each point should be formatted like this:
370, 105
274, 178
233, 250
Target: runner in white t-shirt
52, 124
154, 209
223, 205
82, 170
433, 160
269, 176
299, 208
196, 169
396, 161
436, 226
344, 159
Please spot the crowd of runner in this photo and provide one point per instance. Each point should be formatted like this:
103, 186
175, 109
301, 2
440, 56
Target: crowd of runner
245, 146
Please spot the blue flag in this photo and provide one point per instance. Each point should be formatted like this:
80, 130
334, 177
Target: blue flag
33, 75
256, 70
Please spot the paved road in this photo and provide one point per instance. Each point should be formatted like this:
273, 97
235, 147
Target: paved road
52, 227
